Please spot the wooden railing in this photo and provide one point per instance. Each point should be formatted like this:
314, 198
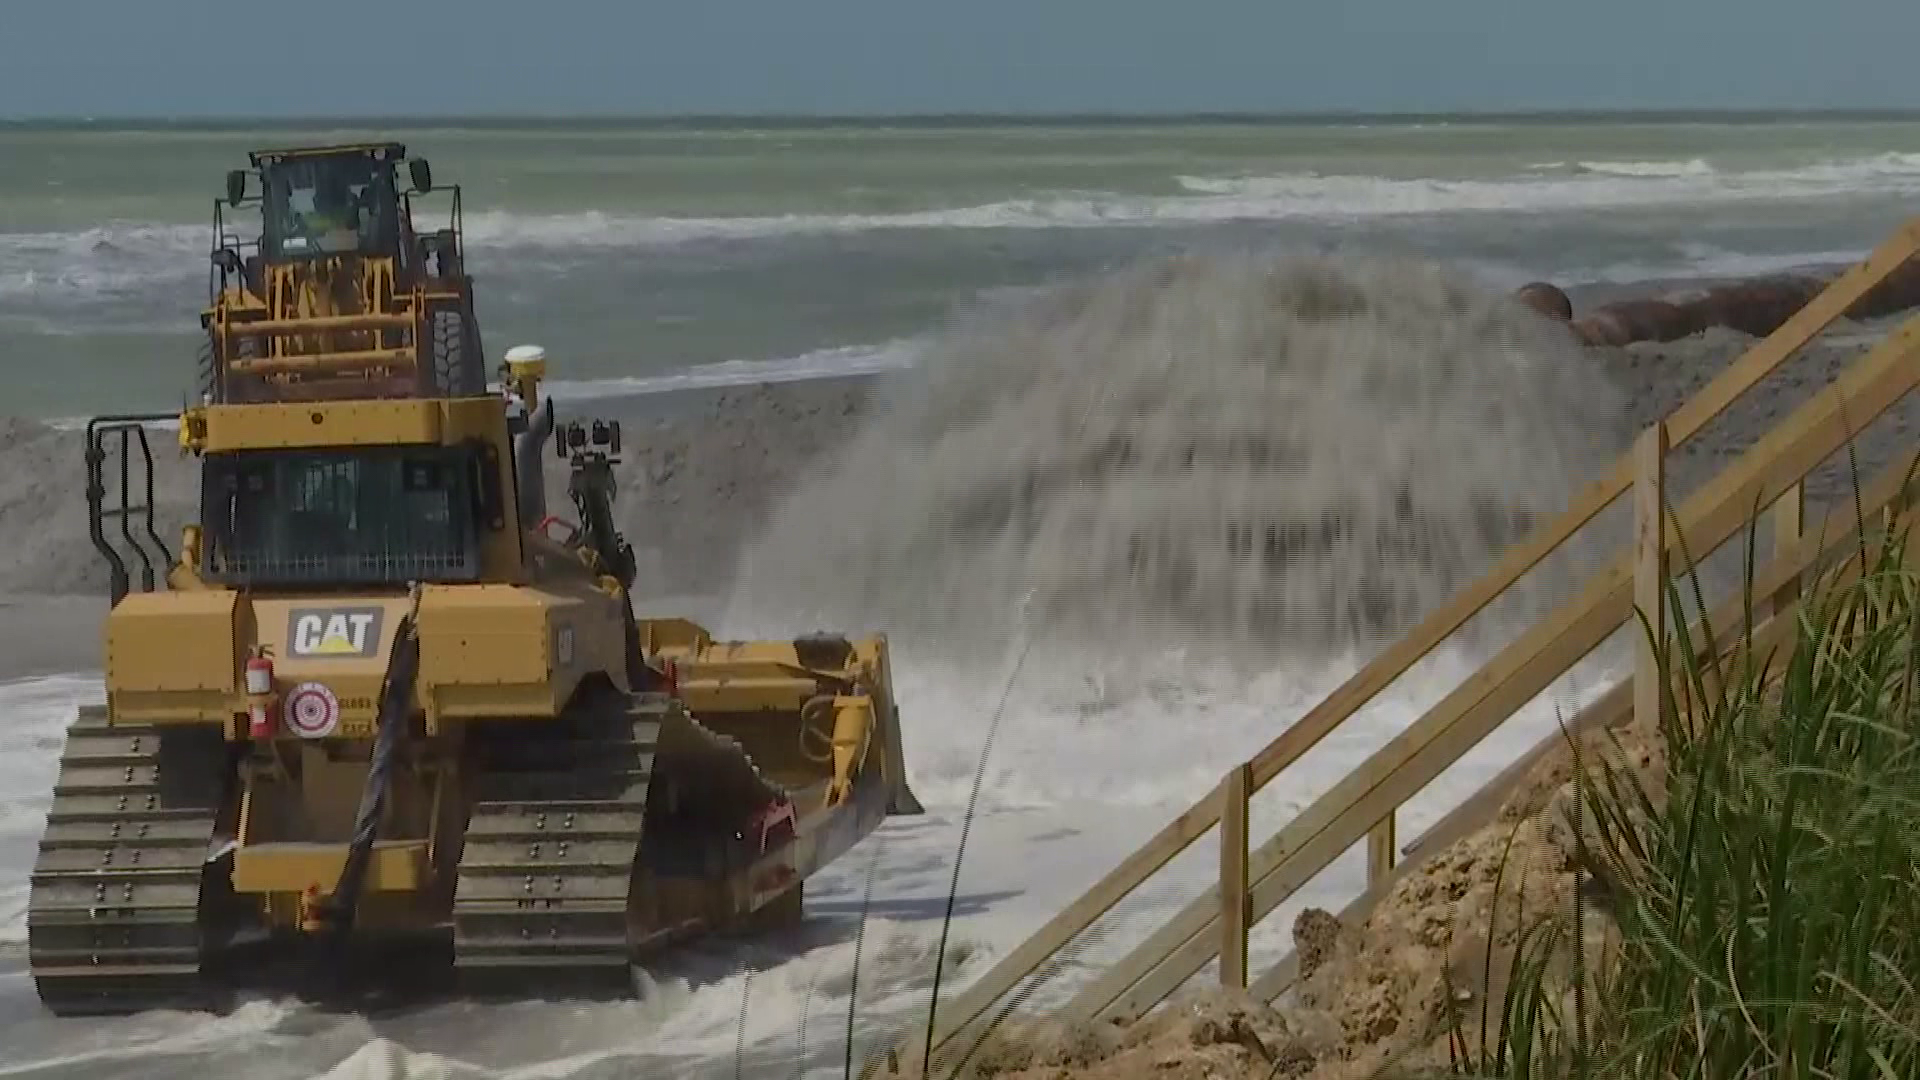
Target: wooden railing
1366, 803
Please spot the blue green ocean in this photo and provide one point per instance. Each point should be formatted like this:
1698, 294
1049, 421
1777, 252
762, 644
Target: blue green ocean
648, 255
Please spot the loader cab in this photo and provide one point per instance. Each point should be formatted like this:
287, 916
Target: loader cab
334, 201
371, 507
328, 205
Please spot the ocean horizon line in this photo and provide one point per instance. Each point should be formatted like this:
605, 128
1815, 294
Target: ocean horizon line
666, 121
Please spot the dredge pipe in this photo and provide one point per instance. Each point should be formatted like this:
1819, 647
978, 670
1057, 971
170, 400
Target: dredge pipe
1756, 307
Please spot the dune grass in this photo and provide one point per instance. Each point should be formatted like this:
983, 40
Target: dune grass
1763, 894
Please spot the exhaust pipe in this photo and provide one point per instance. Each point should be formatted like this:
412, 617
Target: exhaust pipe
526, 464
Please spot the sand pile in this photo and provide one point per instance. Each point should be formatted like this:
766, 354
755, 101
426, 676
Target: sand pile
1657, 378
43, 507
1429, 964
698, 483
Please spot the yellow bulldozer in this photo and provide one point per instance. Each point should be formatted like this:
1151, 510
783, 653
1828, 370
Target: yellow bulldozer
380, 696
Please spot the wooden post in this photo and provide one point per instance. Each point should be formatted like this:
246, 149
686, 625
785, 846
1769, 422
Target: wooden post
1380, 851
1649, 569
1235, 904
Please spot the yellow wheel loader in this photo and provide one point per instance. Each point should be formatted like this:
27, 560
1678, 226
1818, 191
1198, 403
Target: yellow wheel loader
380, 696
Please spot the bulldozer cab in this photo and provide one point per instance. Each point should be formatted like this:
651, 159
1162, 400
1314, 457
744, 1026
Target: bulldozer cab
374, 516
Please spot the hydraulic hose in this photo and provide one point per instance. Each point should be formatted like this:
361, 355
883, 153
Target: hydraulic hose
395, 701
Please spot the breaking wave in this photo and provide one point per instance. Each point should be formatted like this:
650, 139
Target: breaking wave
122, 256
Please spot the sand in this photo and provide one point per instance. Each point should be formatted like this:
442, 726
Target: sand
704, 471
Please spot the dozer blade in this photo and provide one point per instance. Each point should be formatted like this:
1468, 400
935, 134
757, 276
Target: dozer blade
902, 802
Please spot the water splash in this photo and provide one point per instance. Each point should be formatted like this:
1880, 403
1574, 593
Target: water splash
1309, 452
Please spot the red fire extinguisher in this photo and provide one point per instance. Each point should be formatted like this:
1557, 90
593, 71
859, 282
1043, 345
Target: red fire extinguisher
259, 693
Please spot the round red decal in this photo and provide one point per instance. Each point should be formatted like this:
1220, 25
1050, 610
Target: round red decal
312, 711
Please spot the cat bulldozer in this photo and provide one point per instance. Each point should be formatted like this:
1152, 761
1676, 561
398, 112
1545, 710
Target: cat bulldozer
380, 696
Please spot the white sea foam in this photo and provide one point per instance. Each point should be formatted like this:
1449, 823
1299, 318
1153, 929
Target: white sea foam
122, 257
1080, 772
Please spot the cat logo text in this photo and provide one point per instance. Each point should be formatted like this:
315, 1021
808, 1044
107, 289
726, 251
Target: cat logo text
334, 632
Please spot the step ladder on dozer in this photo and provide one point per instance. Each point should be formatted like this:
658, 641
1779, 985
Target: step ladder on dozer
1364, 805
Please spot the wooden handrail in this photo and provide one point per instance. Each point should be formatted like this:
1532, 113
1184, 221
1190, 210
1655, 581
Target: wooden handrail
1335, 821
1615, 706
1394, 661
1686, 421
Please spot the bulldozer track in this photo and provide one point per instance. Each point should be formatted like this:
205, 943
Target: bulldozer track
552, 844
115, 915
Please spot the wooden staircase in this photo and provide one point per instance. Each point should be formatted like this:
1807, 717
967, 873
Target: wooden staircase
1364, 805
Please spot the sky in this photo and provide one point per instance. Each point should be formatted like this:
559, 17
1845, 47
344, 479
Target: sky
146, 58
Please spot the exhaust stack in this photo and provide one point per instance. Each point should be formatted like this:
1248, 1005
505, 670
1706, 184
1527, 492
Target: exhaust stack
526, 366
